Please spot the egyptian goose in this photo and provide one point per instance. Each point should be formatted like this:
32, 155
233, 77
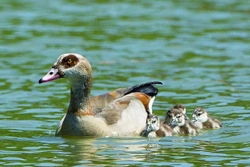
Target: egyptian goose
180, 107
180, 125
156, 128
202, 120
119, 113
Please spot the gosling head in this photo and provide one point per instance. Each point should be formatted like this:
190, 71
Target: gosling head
152, 123
199, 114
180, 107
177, 117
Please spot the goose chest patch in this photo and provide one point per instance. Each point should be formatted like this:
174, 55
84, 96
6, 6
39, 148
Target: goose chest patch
69, 61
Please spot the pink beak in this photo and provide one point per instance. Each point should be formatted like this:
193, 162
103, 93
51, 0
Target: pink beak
50, 76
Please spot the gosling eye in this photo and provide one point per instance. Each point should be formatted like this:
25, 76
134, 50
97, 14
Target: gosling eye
199, 114
154, 121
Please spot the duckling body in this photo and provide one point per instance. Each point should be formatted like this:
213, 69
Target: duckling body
165, 130
202, 120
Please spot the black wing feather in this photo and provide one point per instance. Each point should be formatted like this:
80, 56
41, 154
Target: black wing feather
146, 88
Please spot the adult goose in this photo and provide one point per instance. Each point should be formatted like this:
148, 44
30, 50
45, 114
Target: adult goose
121, 112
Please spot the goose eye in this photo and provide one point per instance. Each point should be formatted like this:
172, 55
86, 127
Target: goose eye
199, 114
154, 121
69, 61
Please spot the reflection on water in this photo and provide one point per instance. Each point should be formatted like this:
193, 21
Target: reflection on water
199, 50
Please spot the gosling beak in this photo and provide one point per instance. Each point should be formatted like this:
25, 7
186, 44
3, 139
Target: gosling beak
172, 124
148, 129
50, 76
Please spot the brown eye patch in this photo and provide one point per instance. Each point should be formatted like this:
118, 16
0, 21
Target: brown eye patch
69, 61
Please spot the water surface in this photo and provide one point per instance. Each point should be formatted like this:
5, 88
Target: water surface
199, 50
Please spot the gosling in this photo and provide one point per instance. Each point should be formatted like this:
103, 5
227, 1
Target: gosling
180, 107
156, 128
202, 120
180, 125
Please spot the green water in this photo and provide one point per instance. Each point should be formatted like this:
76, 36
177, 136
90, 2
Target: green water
198, 49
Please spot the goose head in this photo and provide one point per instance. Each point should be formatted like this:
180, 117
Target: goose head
78, 71
199, 114
71, 66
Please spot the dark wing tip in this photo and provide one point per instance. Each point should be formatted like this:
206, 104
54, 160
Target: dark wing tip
146, 88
